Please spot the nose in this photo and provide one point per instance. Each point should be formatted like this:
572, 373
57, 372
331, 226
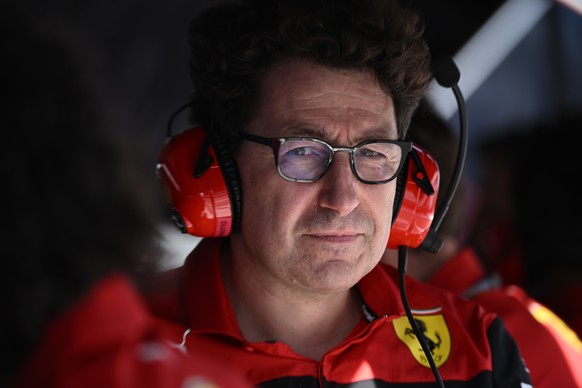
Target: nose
338, 186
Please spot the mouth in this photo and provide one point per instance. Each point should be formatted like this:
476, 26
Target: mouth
337, 238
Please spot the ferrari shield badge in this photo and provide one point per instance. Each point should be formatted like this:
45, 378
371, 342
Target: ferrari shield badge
436, 334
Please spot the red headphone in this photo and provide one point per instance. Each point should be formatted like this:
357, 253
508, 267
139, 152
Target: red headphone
201, 184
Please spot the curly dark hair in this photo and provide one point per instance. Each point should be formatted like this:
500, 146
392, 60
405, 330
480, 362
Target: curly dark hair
76, 202
234, 45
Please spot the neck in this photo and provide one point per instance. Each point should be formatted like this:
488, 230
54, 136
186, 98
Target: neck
309, 322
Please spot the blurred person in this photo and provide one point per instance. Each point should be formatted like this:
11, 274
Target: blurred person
552, 351
79, 230
548, 216
299, 122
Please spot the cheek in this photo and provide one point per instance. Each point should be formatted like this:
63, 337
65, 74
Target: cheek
274, 198
383, 204
267, 199
382, 207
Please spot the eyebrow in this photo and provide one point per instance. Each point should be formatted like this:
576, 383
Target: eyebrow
306, 132
321, 133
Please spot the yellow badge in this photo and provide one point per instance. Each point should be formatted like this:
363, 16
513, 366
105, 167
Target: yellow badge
435, 331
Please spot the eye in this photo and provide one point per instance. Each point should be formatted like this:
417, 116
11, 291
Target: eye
370, 153
373, 152
303, 149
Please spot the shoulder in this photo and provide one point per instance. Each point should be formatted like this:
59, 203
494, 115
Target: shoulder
424, 296
165, 291
456, 326
162, 294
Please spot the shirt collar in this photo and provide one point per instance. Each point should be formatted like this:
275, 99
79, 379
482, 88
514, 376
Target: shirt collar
212, 312
209, 311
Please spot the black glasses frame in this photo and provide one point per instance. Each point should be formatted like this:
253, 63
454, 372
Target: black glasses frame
276, 142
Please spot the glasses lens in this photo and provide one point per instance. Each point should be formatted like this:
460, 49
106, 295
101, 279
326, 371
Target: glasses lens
303, 159
376, 162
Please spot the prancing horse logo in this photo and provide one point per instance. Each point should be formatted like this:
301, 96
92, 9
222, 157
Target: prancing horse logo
436, 333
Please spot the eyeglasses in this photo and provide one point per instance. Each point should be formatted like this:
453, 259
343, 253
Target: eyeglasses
303, 159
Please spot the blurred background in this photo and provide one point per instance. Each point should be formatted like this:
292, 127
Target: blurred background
520, 64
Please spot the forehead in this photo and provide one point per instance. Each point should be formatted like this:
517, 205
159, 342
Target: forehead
297, 94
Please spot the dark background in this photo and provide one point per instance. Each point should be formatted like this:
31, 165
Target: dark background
144, 49
143, 46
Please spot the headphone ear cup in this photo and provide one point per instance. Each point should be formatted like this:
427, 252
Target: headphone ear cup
413, 208
232, 179
400, 188
203, 206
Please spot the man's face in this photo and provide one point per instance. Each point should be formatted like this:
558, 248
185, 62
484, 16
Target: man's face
326, 235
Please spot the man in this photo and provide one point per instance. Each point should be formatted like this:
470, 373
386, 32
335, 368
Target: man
79, 231
549, 347
313, 99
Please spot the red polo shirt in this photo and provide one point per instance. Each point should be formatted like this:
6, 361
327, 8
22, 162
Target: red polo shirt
469, 345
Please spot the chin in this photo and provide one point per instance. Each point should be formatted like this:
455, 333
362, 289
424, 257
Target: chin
339, 275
